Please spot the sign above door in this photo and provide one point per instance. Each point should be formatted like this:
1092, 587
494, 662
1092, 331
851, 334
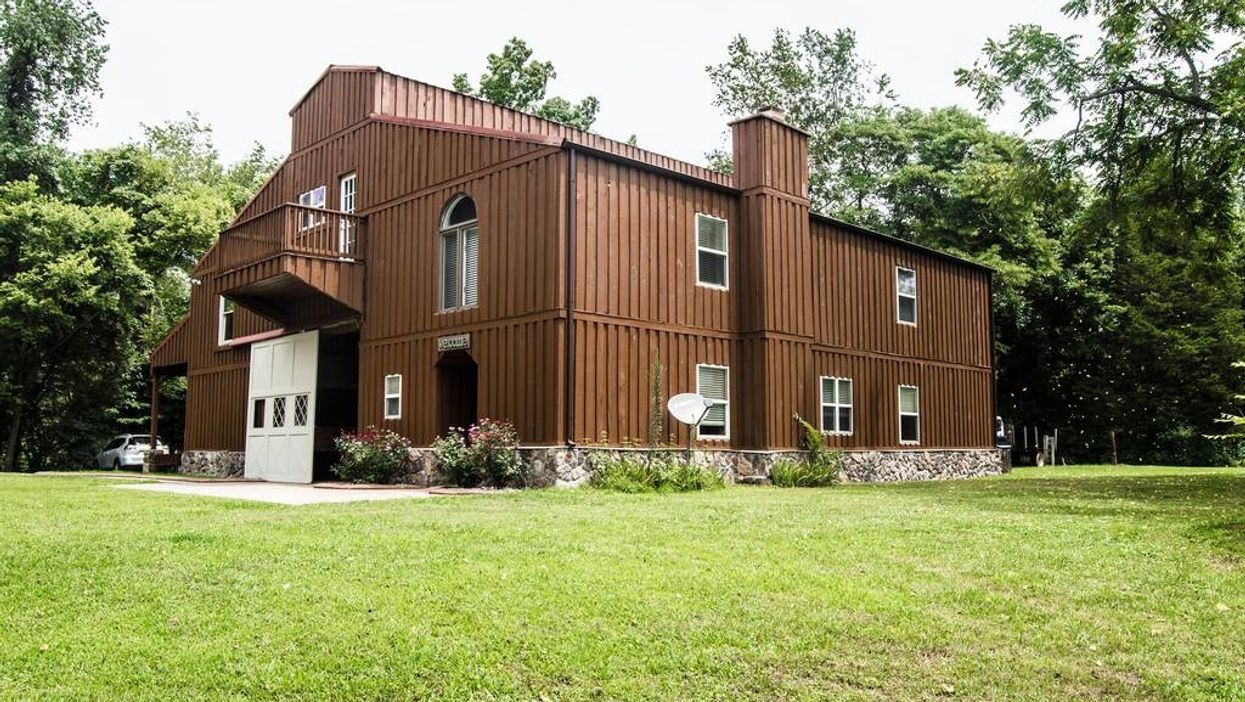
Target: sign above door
454, 342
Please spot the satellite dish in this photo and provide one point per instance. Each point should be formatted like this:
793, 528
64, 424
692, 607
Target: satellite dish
689, 408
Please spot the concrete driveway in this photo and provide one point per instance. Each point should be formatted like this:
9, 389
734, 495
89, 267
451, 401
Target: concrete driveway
279, 493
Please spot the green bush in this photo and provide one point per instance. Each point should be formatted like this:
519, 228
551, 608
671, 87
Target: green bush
487, 451
656, 472
821, 468
371, 456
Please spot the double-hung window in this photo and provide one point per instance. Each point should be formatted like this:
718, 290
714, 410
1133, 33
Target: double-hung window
905, 295
311, 198
714, 384
460, 254
836, 405
711, 251
909, 414
346, 199
224, 322
393, 397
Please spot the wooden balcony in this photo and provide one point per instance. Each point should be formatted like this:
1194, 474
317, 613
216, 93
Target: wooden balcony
299, 266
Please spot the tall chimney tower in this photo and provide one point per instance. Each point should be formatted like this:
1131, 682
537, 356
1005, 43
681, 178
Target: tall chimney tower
775, 317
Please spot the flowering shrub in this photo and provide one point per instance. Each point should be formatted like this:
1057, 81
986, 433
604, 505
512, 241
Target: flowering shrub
486, 451
451, 451
371, 456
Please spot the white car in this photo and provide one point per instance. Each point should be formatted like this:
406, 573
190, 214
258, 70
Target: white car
126, 451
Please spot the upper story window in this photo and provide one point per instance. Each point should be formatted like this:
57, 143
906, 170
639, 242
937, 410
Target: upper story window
346, 193
460, 251
711, 251
346, 200
224, 322
905, 294
714, 383
311, 198
909, 414
836, 405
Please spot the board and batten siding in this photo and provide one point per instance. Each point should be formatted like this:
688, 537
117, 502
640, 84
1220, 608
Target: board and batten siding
824, 305
806, 297
517, 327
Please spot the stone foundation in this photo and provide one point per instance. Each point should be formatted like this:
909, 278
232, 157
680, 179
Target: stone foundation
216, 464
892, 466
562, 466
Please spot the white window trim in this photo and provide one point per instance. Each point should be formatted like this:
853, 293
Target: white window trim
726, 255
310, 220
902, 414
726, 420
916, 316
347, 237
221, 339
354, 192
460, 232
390, 396
836, 405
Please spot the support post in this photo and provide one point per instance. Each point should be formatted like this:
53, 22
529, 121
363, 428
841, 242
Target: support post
150, 460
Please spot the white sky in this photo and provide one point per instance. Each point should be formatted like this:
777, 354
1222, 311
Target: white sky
242, 65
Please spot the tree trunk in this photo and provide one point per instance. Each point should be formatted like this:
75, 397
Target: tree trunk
15, 433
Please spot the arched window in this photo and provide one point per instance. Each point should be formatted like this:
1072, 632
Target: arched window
460, 248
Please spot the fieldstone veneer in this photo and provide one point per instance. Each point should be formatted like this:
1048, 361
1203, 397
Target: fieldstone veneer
562, 466
216, 464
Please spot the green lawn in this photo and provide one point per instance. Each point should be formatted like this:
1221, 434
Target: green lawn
1085, 583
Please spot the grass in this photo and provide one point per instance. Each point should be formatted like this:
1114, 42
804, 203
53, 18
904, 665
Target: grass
1070, 583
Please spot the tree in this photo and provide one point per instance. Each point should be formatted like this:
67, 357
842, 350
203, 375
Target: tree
51, 52
70, 315
1161, 132
817, 79
513, 79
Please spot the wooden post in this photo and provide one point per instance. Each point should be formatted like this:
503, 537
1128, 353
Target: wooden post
1115, 456
155, 422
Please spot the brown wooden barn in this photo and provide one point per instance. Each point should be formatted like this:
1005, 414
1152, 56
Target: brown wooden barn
423, 258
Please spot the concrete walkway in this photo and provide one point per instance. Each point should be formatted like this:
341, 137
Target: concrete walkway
279, 493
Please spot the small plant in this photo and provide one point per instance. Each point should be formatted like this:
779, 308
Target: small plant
821, 468
487, 451
659, 472
371, 456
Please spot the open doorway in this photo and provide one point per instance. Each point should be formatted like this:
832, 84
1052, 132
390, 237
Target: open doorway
457, 385
337, 396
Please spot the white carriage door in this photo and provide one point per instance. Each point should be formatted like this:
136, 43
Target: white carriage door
280, 434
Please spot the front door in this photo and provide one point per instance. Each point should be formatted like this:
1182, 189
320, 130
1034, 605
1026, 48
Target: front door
280, 436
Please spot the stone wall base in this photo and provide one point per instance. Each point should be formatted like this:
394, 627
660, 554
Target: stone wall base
216, 464
561, 466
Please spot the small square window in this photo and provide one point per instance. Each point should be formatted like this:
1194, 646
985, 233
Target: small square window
311, 198
257, 414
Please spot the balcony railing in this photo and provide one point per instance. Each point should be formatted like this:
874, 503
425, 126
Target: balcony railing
290, 228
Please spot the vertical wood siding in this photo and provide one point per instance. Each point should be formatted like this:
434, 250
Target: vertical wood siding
856, 306
340, 99
805, 299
